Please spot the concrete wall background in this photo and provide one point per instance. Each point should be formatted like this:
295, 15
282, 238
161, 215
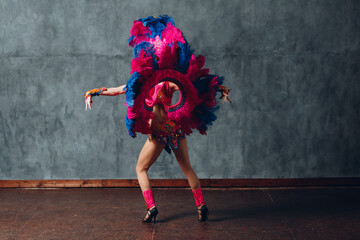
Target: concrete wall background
293, 67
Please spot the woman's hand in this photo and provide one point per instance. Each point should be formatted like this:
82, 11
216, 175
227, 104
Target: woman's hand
88, 103
224, 93
93, 92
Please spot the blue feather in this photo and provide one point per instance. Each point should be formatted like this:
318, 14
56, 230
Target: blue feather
149, 51
221, 80
202, 84
206, 115
130, 124
156, 25
133, 87
146, 46
131, 38
184, 56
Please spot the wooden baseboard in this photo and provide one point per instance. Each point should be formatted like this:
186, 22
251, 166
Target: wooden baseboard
215, 183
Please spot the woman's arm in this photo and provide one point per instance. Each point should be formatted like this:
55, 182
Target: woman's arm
102, 91
173, 86
114, 91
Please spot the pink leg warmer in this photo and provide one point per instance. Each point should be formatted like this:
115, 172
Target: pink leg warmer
199, 198
149, 198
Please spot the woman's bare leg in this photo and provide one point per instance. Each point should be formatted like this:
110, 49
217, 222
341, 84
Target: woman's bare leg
182, 157
148, 155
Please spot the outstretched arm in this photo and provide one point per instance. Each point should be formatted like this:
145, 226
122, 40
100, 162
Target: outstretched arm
114, 91
102, 91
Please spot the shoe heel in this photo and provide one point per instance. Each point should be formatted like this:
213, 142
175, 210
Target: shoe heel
204, 212
153, 213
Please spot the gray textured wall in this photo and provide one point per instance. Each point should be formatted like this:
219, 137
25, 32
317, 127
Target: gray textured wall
293, 67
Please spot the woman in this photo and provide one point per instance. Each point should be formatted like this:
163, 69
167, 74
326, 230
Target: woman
163, 63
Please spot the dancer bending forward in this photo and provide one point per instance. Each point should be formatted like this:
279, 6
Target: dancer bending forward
163, 63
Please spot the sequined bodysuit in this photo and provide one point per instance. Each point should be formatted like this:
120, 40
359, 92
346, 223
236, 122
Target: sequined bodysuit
164, 129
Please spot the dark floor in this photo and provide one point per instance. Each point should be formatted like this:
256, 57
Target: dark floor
115, 213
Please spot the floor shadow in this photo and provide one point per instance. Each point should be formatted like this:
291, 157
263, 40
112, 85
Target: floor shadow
178, 215
325, 205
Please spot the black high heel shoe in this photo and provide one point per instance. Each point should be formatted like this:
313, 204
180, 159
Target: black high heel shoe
150, 215
203, 213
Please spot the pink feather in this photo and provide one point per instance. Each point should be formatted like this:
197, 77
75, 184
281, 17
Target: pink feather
139, 31
171, 34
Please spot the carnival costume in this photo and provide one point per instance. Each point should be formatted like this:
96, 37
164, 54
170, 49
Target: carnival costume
162, 55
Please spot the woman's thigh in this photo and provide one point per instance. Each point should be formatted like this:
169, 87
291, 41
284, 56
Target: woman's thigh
148, 155
182, 155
